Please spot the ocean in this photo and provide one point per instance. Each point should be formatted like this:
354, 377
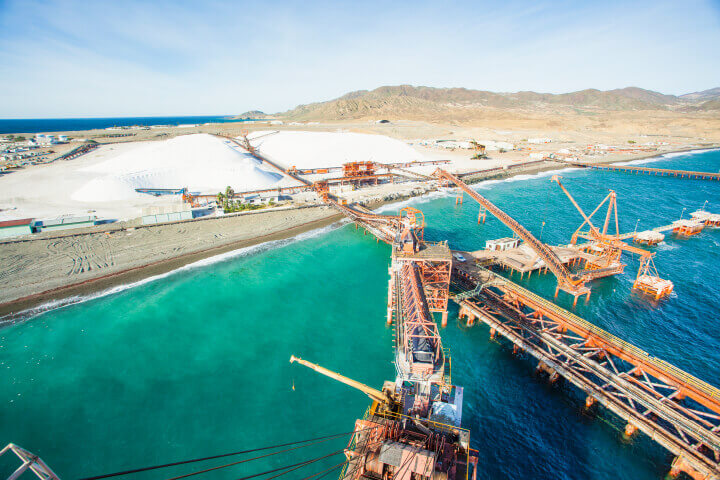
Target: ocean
46, 125
195, 363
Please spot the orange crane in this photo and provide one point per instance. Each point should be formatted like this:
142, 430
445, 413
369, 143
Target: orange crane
608, 248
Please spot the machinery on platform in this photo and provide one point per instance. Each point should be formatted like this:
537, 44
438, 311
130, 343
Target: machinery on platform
410, 431
606, 249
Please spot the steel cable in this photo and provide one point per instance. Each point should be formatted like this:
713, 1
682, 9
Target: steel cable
183, 462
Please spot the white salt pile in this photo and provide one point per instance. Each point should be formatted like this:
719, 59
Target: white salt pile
201, 162
331, 149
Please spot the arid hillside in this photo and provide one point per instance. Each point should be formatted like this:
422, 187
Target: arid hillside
624, 110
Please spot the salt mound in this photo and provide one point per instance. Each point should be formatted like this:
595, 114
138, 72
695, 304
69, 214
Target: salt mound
201, 162
330, 149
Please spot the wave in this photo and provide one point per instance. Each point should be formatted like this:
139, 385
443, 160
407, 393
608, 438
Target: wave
424, 198
664, 246
30, 313
524, 176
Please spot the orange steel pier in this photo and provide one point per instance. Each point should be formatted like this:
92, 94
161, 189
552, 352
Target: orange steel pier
419, 423
677, 410
662, 172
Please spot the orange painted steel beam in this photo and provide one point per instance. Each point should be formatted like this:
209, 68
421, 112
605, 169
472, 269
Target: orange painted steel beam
568, 281
664, 172
699, 391
416, 323
677, 410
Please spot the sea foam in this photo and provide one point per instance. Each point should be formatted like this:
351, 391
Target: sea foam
29, 313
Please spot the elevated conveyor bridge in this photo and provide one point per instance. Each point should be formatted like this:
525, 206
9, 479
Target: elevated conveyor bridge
567, 281
677, 410
661, 172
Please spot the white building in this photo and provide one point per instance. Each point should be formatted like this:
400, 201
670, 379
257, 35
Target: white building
502, 244
42, 139
494, 146
539, 140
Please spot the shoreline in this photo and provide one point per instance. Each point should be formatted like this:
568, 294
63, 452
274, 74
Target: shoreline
142, 272
21, 308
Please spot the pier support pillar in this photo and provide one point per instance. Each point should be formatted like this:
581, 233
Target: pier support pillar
517, 349
492, 333
680, 465
543, 367
443, 321
589, 401
630, 430
465, 313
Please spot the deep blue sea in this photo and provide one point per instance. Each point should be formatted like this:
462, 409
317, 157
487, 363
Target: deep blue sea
45, 125
195, 363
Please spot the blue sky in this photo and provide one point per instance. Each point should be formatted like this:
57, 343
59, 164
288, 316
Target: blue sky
132, 58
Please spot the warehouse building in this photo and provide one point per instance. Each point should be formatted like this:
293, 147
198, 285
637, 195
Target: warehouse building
64, 223
171, 213
15, 228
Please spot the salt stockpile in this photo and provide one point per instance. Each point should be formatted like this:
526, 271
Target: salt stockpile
201, 162
331, 149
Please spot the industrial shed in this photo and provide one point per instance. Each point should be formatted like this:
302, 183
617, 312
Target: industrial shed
14, 228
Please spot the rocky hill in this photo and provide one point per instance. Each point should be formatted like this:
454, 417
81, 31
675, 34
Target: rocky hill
410, 102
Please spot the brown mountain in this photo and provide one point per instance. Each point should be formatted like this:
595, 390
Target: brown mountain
410, 102
705, 95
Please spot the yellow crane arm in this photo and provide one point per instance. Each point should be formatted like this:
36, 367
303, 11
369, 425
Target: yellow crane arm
373, 393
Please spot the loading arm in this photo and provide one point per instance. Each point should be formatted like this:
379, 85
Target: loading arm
374, 394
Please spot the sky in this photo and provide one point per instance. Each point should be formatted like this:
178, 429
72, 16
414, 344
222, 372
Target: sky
143, 58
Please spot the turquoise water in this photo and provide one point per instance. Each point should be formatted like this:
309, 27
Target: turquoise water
196, 363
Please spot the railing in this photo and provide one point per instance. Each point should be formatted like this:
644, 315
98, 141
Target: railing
436, 426
662, 171
622, 345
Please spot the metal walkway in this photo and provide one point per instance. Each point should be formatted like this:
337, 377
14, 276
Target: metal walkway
662, 172
677, 410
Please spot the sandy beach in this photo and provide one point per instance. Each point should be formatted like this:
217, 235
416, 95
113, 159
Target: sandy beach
45, 269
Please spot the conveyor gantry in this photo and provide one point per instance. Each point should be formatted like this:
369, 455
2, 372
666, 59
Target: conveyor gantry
567, 281
677, 410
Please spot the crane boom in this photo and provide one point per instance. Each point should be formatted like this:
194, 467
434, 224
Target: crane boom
373, 393
556, 179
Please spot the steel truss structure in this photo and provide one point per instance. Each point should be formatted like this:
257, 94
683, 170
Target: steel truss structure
677, 410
